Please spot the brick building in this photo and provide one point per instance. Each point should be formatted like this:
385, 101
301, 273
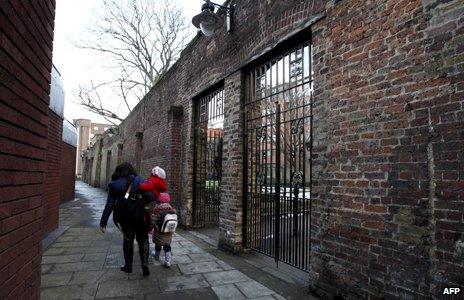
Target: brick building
25, 72
68, 154
35, 141
86, 131
368, 97
53, 176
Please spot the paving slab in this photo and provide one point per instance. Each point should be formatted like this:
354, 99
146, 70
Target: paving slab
67, 238
124, 288
69, 292
201, 257
187, 250
113, 274
200, 267
51, 280
157, 272
228, 292
77, 266
134, 297
224, 265
78, 250
100, 256
54, 251
183, 282
62, 258
116, 260
85, 277
253, 289
225, 277
71, 244
194, 294
180, 259
46, 268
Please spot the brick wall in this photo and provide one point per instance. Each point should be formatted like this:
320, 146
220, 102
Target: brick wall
388, 178
204, 63
25, 68
53, 173
68, 172
387, 189
230, 210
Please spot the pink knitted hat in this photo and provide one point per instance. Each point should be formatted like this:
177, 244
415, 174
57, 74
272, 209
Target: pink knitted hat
164, 198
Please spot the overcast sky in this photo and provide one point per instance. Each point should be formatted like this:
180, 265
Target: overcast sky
78, 66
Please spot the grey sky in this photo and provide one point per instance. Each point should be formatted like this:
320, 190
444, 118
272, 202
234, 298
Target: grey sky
78, 66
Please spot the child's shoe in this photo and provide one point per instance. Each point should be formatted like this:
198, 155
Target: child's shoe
167, 259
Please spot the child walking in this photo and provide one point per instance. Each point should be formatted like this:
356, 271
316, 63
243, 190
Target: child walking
160, 238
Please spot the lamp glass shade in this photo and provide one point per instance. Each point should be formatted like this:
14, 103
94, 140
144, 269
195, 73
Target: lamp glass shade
208, 22
207, 29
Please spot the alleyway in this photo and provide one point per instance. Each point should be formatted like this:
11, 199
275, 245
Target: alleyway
84, 263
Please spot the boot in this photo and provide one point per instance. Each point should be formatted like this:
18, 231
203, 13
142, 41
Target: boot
145, 270
156, 255
126, 268
128, 249
144, 252
167, 259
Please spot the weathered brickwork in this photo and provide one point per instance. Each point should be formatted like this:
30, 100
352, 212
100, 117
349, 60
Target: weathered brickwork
204, 63
230, 210
388, 165
388, 178
53, 174
68, 172
25, 66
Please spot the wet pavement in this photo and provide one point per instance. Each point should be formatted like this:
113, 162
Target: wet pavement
83, 263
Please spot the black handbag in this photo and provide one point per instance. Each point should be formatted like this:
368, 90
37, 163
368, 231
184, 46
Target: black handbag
129, 209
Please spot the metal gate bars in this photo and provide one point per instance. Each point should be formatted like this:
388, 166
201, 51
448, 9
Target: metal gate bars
277, 165
208, 137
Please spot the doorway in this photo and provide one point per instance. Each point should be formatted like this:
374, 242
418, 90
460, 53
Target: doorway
277, 163
208, 141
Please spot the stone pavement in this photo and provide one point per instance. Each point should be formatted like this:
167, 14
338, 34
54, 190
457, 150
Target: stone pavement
83, 263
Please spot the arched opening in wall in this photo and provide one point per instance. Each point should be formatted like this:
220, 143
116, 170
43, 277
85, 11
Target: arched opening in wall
208, 141
138, 151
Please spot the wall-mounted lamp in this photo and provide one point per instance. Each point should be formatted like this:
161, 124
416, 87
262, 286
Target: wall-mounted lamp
208, 22
112, 131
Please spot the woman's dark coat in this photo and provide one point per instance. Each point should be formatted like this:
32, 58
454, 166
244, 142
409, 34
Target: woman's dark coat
116, 190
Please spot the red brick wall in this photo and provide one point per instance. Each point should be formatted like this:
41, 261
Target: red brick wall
259, 25
53, 175
389, 165
25, 65
388, 136
68, 172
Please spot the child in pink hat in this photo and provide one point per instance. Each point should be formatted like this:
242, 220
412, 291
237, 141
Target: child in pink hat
161, 239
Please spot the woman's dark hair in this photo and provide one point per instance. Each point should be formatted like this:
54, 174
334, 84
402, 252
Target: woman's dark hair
124, 170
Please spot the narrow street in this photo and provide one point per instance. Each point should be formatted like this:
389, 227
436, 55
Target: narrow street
83, 263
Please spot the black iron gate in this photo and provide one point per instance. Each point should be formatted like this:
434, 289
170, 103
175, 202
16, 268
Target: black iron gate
277, 165
208, 135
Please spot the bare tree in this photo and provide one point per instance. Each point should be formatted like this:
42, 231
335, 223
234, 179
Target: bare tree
143, 38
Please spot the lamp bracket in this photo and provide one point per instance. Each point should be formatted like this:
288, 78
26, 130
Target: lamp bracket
218, 5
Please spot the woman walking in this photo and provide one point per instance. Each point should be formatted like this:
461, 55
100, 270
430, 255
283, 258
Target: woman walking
124, 197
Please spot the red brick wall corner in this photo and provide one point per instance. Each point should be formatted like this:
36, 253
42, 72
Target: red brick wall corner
26, 34
68, 172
